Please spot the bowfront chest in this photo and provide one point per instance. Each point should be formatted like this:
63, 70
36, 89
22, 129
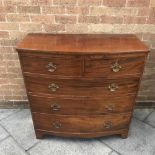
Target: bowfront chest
82, 85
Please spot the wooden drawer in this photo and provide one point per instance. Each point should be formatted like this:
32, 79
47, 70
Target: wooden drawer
114, 65
51, 64
83, 123
64, 105
81, 87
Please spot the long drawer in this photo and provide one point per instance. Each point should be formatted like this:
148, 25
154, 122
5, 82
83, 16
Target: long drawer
81, 87
88, 123
77, 106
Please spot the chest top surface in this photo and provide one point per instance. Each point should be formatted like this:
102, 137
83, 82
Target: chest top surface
82, 43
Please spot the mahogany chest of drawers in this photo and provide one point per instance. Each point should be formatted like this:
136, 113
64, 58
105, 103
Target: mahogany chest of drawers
81, 85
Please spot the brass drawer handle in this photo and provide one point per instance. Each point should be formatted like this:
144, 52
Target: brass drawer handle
51, 67
116, 67
110, 108
108, 125
53, 87
57, 125
55, 107
112, 87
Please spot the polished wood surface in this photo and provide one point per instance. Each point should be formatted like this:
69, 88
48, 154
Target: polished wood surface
82, 123
99, 66
121, 132
81, 105
82, 44
82, 85
86, 66
64, 65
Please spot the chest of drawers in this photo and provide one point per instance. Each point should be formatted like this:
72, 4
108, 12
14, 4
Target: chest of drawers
81, 85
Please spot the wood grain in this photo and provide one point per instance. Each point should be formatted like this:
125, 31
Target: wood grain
86, 87
41, 133
86, 66
81, 44
64, 65
101, 66
81, 105
82, 123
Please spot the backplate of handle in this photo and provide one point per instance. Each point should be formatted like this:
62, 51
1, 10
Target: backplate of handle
108, 125
116, 67
113, 87
57, 124
53, 87
51, 67
110, 107
55, 107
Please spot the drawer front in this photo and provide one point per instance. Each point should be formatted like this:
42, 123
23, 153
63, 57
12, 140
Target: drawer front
63, 105
114, 66
75, 87
52, 64
89, 123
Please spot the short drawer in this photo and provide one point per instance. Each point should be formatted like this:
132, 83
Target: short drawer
85, 87
48, 64
75, 106
114, 65
85, 123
